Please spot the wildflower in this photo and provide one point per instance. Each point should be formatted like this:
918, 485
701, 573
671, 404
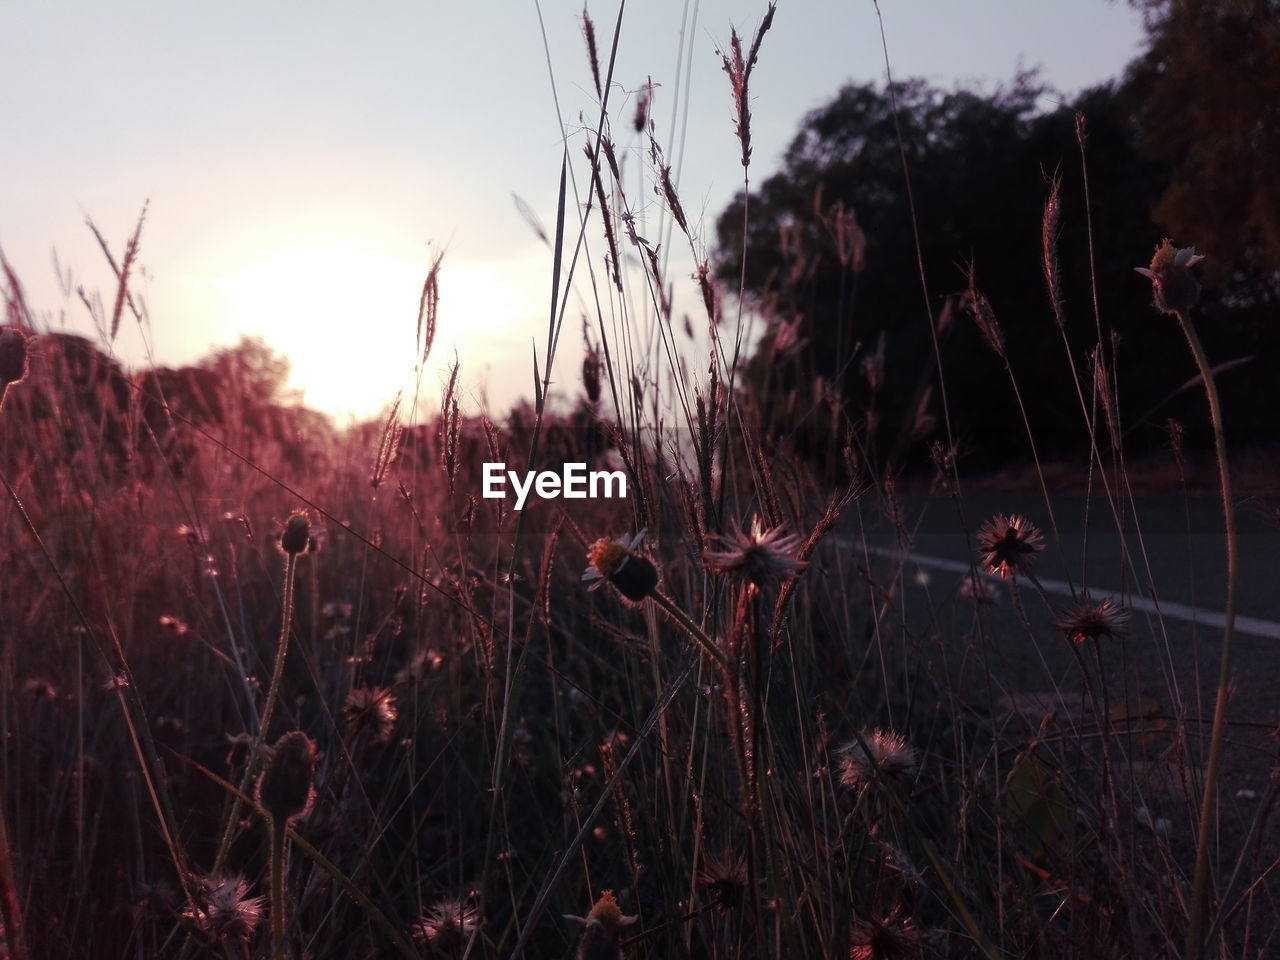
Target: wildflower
892, 938
1176, 288
223, 909
1086, 620
759, 556
616, 561
285, 788
446, 926
881, 756
297, 533
600, 936
1006, 544
370, 712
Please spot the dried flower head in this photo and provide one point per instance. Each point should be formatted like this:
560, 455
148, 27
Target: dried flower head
285, 788
1086, 620
13, 355
223, 910
725, 878
881, 757
758, 557
893, 938
1175, 287
370, 713
616, 561
1007, 544
296, 536
600, 936
447, 926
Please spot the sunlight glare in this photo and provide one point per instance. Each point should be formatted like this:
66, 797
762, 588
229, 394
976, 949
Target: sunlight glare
343, 315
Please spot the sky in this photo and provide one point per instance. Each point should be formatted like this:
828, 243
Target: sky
303, 164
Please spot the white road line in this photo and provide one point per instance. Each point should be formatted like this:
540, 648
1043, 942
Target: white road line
1168, 608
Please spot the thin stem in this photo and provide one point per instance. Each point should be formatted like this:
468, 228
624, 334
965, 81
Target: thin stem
1200, 884
277, 890
692, 628
282, 647
268, 710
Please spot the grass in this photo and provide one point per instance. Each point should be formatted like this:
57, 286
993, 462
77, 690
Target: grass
319, 699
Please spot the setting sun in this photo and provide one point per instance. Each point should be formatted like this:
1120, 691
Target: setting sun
344, 316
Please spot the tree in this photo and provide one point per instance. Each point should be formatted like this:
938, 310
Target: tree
980, 168
252, 370
1206, 96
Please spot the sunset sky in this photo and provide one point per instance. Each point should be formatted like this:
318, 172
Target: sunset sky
302, 162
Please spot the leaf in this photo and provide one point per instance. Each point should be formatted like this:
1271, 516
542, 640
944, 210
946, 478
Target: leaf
1036, 803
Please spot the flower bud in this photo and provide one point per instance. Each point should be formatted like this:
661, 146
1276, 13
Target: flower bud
285, 788
1175, 287
297, 533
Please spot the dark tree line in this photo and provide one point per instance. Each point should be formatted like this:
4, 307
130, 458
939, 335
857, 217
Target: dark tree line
831, 249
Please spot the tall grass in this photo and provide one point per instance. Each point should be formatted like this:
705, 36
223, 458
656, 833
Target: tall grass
321, 699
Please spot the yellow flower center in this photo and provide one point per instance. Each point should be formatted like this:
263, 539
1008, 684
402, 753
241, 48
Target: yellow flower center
1164, 257
606, 556
606, 909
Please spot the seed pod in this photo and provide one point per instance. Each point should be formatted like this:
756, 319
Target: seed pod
297, 533
285, 788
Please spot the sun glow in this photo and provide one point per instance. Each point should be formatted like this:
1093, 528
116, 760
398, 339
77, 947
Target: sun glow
344, 315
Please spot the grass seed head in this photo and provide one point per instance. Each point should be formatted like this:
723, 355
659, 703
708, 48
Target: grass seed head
592, 366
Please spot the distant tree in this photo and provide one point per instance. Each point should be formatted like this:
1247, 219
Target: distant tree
1206, 97
252, 369
980, 167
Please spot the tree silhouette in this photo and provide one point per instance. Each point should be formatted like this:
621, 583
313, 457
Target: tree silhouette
1206, 96
831, 262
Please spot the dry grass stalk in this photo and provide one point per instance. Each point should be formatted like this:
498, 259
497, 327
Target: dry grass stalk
450, 419
1049, 230
589, 34
841, 224
388, 445
615, 263
978, 307
739, 70
428, 305
122, 271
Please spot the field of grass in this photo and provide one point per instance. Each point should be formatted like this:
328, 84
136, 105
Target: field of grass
295, 693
